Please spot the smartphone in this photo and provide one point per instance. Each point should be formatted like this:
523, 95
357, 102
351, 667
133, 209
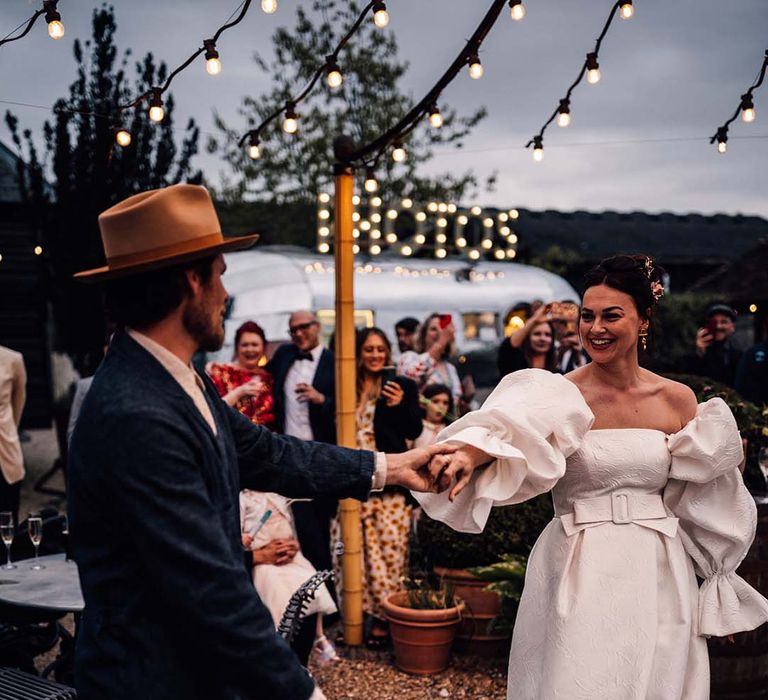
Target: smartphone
445, 320
711, 326
387, 374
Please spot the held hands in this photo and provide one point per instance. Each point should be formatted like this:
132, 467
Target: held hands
277, 552
308, 393
393, 393
458, 466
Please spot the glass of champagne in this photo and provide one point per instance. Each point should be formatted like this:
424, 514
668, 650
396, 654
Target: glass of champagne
762, 460
7, 530
35, 526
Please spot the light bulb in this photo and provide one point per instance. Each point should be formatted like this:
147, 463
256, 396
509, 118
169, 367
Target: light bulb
435, 118
156, 113
38, 250
254, 148
213, 66
333, 73
593, 75
461, 242
626, 10
474, 254
123, 137
291, 121
563, 119
375, 201
538, 154
475, 68
517, 9
499, 254
371, 184
722, 146
475, 211
748, 115
380, 15
375, 249
398, 152
407, 203
55, 29
269, 6
323, 248
440, 253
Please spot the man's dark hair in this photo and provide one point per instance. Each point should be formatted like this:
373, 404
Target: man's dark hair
142, 300
409, 324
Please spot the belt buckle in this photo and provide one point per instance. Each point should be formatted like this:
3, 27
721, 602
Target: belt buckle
620, 513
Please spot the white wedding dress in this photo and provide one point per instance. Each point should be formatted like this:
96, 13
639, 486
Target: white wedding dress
611, 608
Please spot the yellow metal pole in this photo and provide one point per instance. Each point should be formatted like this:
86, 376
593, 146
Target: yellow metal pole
349, 509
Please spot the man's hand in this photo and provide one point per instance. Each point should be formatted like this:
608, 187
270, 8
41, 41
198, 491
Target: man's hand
458, 465
703, 340
253, 387
308, 393
411, 469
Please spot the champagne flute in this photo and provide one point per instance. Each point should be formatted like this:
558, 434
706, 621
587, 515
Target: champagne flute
762, 460
35, 526
7, 530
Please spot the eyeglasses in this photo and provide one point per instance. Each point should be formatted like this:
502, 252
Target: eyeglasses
294, 330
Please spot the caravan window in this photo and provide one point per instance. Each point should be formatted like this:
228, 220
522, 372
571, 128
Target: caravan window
363, 319
482, 325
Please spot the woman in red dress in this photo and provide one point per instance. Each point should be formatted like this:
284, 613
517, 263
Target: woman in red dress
244, 384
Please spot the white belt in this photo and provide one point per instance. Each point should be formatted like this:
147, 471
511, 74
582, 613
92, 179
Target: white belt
620, 508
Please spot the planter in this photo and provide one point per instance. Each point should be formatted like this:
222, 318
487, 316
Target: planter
473, 636
422, 638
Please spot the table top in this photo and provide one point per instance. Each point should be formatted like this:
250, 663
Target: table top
56, 587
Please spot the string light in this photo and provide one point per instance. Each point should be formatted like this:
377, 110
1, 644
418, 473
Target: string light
722, 139
38, 250
52, 16
371, 184
475, 67
517, 8
564, 113
407, 203
747, 108
291, 120
212, 62
380, 14
156, 111
538, 149
269, 7
123, 137
626, 10
398, 152
593, 68
333, 73
254, 147
435, 118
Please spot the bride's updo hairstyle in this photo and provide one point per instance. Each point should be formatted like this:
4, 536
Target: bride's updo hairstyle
635, 275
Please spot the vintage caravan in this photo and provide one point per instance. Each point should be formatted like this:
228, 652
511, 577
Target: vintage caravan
268, 283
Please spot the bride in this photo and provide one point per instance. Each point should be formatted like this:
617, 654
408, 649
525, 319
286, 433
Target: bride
647, 496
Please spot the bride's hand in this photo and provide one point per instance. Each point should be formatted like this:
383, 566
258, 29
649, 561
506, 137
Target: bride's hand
459, 465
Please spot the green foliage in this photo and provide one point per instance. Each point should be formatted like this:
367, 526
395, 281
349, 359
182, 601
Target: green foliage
506, 577
89, 174
510, 530
294, 167
424, 593
564, 262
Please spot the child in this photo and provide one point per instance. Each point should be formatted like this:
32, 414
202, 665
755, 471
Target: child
437, 407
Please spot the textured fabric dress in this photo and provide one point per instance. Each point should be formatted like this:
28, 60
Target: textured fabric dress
259, 409
611, 608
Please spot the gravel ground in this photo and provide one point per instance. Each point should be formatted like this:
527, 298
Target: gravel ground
372, 675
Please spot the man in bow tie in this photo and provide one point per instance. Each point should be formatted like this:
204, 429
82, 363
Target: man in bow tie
304, 389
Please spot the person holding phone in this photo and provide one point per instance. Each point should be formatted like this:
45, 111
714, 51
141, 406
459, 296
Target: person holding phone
533, 346
387, 415
716, 355
430, 364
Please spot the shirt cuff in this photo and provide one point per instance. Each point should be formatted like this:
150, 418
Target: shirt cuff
379, 473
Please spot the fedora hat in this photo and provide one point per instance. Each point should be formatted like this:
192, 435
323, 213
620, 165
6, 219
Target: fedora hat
160, 228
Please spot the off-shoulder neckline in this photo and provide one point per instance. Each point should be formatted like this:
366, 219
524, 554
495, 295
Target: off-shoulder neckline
651, 430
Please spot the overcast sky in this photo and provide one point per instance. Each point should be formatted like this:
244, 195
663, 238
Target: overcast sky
638, 139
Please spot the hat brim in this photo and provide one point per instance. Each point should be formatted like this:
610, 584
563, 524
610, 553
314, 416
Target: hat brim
100, 274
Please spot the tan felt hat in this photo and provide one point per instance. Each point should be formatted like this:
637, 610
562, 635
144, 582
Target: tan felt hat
160, 228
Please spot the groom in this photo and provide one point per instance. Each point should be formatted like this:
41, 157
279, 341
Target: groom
156, 463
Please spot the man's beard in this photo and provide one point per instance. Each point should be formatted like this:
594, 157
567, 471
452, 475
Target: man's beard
207, 330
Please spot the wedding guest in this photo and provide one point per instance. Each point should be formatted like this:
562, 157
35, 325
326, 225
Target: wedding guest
407, 330
716, 356
533, 346
429, 363
437, 412
570, 353
387, 416
13, 393
243, 383
752, 373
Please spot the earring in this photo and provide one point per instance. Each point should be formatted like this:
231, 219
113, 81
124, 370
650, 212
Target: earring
643, 335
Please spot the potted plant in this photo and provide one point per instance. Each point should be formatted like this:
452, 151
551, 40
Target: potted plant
510, 530
505, 578
423, 620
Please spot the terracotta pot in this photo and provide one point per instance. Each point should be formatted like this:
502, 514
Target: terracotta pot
473, 636
422, 638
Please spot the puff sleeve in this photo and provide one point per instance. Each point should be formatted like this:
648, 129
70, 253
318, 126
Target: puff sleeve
530, 424
717, 518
